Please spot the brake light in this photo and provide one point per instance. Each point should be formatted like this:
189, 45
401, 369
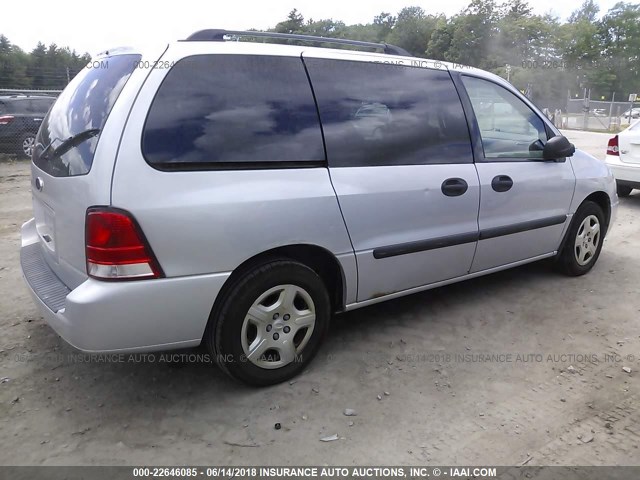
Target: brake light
6, 119
116, 248
612, 147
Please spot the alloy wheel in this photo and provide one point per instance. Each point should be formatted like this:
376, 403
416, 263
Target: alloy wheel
27, 145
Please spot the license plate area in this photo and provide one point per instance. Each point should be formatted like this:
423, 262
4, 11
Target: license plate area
45, 225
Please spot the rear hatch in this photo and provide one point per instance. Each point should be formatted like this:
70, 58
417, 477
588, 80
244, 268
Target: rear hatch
73, 162
629, 144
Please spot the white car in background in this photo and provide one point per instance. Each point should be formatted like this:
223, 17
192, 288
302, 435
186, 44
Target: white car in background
623, 158
632, 113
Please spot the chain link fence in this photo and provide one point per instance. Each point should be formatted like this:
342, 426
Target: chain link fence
599, 115
21, 113
594, 115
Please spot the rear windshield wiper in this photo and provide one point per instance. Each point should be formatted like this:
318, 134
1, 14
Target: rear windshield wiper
68, 144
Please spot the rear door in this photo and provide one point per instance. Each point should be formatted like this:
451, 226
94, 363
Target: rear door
401, 164
629, 143
524, 200
64, 185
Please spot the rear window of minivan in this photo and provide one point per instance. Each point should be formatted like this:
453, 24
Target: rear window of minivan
232, 111
83, 105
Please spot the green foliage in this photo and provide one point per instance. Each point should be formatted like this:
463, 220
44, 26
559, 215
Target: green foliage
536, 52
47, 68
412, 30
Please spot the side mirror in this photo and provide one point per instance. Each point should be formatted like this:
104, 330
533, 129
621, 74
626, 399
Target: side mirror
558, 147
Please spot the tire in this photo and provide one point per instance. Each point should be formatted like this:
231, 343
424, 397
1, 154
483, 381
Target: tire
24, 146
583, 245
267, 347
623, 190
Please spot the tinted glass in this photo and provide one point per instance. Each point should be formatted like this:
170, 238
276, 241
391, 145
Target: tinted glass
380, 114
84, 104
509, 128
19, 106
213, 109
41, 105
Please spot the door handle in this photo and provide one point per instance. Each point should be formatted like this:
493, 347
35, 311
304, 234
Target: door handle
501, 183
454, 187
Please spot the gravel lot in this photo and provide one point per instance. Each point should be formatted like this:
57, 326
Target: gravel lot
554, 391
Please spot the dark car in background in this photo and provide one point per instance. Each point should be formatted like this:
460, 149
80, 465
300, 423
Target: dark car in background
20, 119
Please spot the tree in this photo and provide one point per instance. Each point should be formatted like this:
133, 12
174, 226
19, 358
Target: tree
325, 28
587, 12
47, 68
620, 31
472, 36
441, 39
383, 24
412, 30
293, 24
37, 66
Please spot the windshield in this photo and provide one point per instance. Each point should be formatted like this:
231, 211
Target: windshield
84, 104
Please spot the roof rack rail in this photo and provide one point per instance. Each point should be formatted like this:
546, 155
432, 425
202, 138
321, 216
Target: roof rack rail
217, 35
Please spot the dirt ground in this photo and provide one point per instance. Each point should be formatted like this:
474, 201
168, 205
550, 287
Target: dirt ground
523, 365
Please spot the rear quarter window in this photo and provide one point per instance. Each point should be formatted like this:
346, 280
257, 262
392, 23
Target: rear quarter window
228, 111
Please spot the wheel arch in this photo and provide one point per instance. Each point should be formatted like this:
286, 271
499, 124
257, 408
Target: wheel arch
601, 199
319, 259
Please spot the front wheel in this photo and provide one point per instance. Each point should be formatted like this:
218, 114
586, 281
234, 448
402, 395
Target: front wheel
270, 323
584, 241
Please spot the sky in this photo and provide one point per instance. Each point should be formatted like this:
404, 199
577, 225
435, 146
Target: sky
92, 27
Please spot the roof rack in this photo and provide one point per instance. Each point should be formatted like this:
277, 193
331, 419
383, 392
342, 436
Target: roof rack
217, 35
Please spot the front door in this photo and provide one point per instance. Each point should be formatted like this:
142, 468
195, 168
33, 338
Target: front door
524, 200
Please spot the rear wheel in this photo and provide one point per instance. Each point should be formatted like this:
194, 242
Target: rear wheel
584, 241
25, 144
623, 190
270, 323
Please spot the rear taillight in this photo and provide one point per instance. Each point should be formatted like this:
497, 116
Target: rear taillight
116, 248
612, 147
6, 119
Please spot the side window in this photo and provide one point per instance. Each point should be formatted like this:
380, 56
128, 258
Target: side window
508, 127
380, 114
41, 105
19, 106
215, 109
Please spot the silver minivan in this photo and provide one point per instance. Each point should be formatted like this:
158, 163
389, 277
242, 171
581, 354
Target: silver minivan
236, 194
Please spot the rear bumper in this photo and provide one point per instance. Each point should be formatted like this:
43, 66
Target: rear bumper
134, 316
625, 173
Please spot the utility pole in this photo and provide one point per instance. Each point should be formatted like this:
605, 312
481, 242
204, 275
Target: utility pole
632, 98
585, 109
613, 98
68, 79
